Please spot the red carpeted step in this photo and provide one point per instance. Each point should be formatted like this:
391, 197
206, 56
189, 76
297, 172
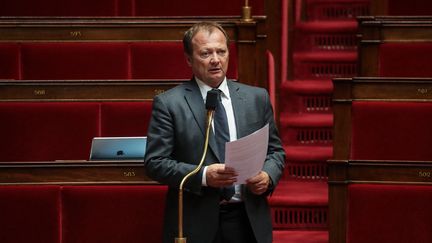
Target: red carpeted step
326, 36
306, 96
324, 56
300, 193
324, 64
306, 120
318, 10
306, 129
308, 153
300, 205
328, 26
324, 86
300, 236
305, 170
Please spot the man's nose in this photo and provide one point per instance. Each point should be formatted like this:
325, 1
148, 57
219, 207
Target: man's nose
214, 58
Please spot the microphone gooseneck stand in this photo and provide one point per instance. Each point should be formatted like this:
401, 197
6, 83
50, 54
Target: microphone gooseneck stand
211, 102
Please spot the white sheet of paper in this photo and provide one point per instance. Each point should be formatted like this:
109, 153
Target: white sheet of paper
246, 155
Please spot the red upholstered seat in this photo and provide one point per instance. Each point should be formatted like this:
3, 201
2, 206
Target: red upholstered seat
165, 60
125, 118
195, 8
30, 214
48, 131
399, 130
79, 60
113, 214
159, 60
389, 213
416, 7
72, 214
405, 59
39, 131
125, 8
9, 61
106, 60
66, 8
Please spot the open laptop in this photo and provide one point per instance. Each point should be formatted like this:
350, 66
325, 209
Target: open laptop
118, 148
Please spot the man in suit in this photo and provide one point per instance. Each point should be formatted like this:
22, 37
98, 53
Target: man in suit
176, 140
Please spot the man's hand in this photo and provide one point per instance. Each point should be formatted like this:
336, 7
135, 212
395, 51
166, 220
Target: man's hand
259, 183
217, 175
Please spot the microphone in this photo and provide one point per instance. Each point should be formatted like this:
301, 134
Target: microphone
211, 103
212, 100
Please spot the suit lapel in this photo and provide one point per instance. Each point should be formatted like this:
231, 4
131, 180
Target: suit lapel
196, 104
238, 101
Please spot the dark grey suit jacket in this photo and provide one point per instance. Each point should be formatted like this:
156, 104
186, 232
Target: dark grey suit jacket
175, 143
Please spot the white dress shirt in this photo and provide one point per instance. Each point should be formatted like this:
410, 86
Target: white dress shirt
226, 102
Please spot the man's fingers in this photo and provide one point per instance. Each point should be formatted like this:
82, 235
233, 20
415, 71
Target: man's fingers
220, 176
259, 183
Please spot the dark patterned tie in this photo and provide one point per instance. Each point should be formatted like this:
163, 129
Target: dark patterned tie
222, 136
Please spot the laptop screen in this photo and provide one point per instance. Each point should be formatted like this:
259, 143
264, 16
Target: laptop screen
118, 148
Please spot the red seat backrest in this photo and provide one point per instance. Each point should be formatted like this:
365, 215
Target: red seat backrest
389, 213
126, 8
391, 130
9, 61
30, 214
119, 119
131, 214
159, 60
48, 131
405, 59
194, 8
101, 60
68, 214
404, 8
66, 8
166, 60
78, 60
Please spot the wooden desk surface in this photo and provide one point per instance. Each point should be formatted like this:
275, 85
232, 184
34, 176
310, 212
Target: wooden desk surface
73, 172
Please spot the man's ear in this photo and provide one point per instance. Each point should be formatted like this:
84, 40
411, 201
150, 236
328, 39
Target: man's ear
188, 60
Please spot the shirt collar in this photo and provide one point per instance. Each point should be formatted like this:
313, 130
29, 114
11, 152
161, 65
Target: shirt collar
204, 88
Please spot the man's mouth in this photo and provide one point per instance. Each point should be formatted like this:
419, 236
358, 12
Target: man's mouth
214, 70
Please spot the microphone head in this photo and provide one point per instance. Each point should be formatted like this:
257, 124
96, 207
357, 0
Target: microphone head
212, 99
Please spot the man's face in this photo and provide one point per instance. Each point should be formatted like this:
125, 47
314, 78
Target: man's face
209, 60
